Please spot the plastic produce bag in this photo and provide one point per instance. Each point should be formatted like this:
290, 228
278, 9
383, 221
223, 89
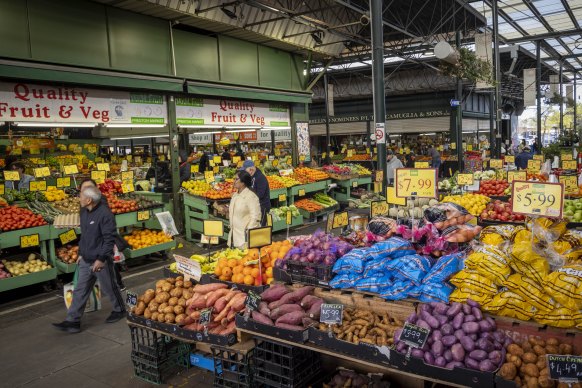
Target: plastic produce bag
490, 262
373, 283
382, 227
346, 280
354, 261
527, 262
565, 286
393, 248
399, 290
531, 291
447, 214
496, 234
510, 304
472, 279
461, 294
444, 268
94, 301
461, 233
560, 317
413, 268
435, 292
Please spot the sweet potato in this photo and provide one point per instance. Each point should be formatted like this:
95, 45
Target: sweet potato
308, 300
206, 288
238, 303
228, 329
238, 299
231, 314
315, 310
198, 303
273, 293
293, 318
231, 294
289, 327
264, 308
284, 309
292, 297
261, 318
220, 304
306, 322
213, 296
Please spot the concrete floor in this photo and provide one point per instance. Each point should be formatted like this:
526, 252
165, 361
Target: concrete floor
34, 354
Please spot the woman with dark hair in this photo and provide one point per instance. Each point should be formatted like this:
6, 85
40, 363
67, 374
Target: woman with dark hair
25, 179
244, 211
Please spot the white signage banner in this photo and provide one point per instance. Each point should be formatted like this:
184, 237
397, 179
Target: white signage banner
529, 87
195, 138
20, 101
280, 135
230, 113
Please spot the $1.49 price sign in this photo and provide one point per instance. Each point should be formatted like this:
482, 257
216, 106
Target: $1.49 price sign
538, 199
565, 368
414, 182
331, 314
414, 336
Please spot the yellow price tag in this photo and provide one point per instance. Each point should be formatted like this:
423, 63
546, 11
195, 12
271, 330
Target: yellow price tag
217, 159
275, 163
282, 197
64, 182
392, 199
407, 151
129, 158
143, 215
37, 186
469, 147
496, 164
453, 146
211, 163
2, 189
213, 228
465, 179
32, 240
70, 169
570, 183
103, 166
441, 148
411, 182
301, 158
538, 199
368, 150
269, 220
516, 176
209, 176
534, 165
277, 152
377, 187
194, 169
216, 169
340, 220
421, 165
289, 218
350, 153
253, 158
331, 153
235, 159
260, 237
354, 184
378, 208
379, 177
509, 159
569, 165
98, 176
127, 176
42, 172
127, 188
11, 176
538, 157
68, 236
566, 157
301, 193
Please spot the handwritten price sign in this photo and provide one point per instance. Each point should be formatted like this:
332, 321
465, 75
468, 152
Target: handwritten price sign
37, 186
413, 335
534, 165
64, 182
509, 159
32, 240
70, 169
209, 176
566, 157
68, 236
143, 215
421, 165
412, 182
516, 176
565, 368
496, 164
538, 199
569, 165
103, 166
465, 179
11, 176
42, 172
538, 157
127, 176
378, 208
570, 184
98, 176
340, 220
332, 314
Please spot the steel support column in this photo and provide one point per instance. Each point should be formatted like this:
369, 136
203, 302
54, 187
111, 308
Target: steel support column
539, 91
491, 118
368, 139
325, 91
174, 163
495, 149
561, 94
459, 113
378, 82
575, 106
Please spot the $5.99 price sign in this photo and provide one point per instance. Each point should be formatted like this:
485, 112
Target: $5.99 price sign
538, 199
414, 182
332, 314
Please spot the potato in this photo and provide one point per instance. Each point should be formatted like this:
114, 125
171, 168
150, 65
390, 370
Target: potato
515, 349
169, 309
541, 364
161, 307
179, 283
180, 319
179, 278
141, 304
161, 318
160, 283
530, 370
147, 314
565, 349
159, 290
552, 349
517, 381
182, 302
171, 280
164, 296
187, 294
139, 310
149, 296
532, 382
539, 350
552, 341
544, 371
178, 309
526, 346
155, 316
173, 301
169, 317
188, 284
159, 298
545, 382
140, 298
529, 358
515, 360
153, 306
508, 371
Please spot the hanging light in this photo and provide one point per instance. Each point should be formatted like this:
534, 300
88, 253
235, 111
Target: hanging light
317, 37
229, 13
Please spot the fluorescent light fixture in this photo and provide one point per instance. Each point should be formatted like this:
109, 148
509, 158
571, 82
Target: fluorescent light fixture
242, 127
54, 125
273, 128
241, 130
206, 133
136, 137
203, 126
135, 125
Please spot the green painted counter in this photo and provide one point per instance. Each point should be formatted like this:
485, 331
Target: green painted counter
133, 253
344, 187
309, 188
27, 280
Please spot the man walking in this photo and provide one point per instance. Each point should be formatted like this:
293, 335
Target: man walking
260, 187
98, 232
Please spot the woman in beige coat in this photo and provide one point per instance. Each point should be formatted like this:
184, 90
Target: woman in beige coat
244, 211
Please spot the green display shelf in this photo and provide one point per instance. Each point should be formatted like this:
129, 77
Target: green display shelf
308, 187
342, 192
64, 267
312, 215
164, 199
133, 253
129, 219
274, 195
282, 225
12, 238
196, 210
27, 280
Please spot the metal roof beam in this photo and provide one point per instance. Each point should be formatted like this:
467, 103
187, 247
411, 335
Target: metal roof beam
549, 35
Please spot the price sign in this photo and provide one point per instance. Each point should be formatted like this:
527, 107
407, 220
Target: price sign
2, 189
37, 186
392, 199
411, 182
127, 176
331, 153
131, 299
469, 147
421, 165
534, 165
282, 197
570, 184
216, 169
205, 316
143, 215
496, 163
103, 167
277, 152
252, 300
516, 176
288, 218
538, 199
209, 176
211, 163
509, 159
538, 157
98, 176
453, 146
354, 184
275, 163
413, 335
269, 220
331, 314
377, 187
213, 228
194, 169
127, 188
329, 223
566, 157
68, 236
301, 158
70, 169
350, 153
11, 176
235, 159
340, 220
569, 165
217, 159
42, 172
378, 176
565, 368
32, 240
378, 208
301, 193
64, 182
188, 268
441, 148
465, 179
260, 237
368, 150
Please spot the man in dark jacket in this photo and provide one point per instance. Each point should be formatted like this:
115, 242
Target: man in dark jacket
260, 187
185, 170
523, 157
98, 232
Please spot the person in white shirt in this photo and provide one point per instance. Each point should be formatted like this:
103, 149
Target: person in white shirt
244, 211
392, 163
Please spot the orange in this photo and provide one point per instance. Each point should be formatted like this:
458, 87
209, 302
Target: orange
247, 270
218, 270
224, 278
254, 254
223, 262
255, 272
238, 269
281, 255
269, 272
238, 278
232, 263
227, 271
273, 261
249, 280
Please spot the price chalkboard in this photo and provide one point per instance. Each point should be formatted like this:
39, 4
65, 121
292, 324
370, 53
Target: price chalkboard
253, 300
413, 335
131, 299
538, 199
205, 316
412, 182
331, 314
565, 368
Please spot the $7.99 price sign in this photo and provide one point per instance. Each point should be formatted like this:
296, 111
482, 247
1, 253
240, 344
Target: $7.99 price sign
538, 199
416, 182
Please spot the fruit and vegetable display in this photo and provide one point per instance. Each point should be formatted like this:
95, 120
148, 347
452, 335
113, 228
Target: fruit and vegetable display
309, 175
44, 209
357, 158
222, 190
275, 183
414, 208
16, 195
3, 272
120, 206
13, 218
319, 248
143, 238
485, 175
68, 254
500, 211
31, 265
460, 337
474, 203
68, 206
207, 264
196, 187
573, 210
280, 213
537, 177
345, 378
53, 194
346, 169
493, 187
110, 187
364, 200
308, 205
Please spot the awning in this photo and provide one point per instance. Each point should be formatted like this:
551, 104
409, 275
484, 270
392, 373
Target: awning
230, 91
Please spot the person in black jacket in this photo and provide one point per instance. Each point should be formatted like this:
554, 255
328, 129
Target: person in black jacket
98, 230
260, 187
185, 170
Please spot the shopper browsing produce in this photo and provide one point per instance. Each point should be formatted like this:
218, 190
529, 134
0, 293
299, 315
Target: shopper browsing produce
25, 179
260, 186
98, 232
392, 163
435, 157
410, 159
226, 154
523, 157
184, 166
244, 211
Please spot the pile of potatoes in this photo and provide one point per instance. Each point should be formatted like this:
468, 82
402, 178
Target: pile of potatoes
167, 303
365, 326
526, 363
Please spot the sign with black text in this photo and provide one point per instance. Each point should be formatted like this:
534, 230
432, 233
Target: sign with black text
565, 368
331, 314
414, 336
253, 300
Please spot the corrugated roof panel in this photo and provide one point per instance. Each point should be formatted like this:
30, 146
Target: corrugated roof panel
546, 7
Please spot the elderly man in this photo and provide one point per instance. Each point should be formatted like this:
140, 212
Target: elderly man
260, 186
98, 232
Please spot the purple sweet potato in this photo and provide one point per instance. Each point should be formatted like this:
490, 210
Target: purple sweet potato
289, 327
308, 300
301, 293
275, 292
284, 309
315, 310
261, 318
293, 318
264, 308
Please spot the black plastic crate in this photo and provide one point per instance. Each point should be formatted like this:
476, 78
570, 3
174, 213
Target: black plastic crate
280, 365
150, 344
309, 273
232, 368
156, 371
